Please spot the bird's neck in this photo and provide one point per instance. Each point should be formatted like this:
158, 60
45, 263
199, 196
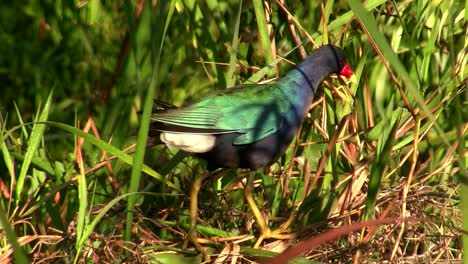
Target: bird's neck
297, 90
300, 84
314, 69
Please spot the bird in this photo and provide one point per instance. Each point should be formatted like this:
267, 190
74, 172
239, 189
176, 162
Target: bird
248, 126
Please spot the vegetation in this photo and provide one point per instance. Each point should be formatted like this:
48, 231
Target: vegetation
78, 81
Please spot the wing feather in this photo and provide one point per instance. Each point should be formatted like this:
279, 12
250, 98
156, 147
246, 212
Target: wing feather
253, 111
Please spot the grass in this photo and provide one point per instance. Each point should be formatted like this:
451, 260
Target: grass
78, 86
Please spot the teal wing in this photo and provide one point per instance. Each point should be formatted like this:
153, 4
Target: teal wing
254, 111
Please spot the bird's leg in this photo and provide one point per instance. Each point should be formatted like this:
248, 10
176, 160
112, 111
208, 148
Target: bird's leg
265, 231
192, 234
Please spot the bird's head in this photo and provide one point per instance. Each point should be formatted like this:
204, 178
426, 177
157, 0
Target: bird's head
343, 67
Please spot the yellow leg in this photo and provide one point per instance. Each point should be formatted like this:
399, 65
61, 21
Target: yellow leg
192, 234
265, 231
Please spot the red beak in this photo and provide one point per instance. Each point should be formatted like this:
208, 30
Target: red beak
346, 71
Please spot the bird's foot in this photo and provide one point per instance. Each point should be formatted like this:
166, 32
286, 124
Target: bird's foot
273, 234
192, 238
265, 232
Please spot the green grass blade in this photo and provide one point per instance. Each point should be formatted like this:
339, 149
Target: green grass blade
230, 78
5, 151
82, 217
20, 119
7, 230
33, 144
147, 109
378, 168
7, 158
263, 30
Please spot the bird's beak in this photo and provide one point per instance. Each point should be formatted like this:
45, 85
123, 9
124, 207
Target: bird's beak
346, 71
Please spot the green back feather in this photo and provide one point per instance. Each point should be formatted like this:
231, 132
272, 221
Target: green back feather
254, 111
